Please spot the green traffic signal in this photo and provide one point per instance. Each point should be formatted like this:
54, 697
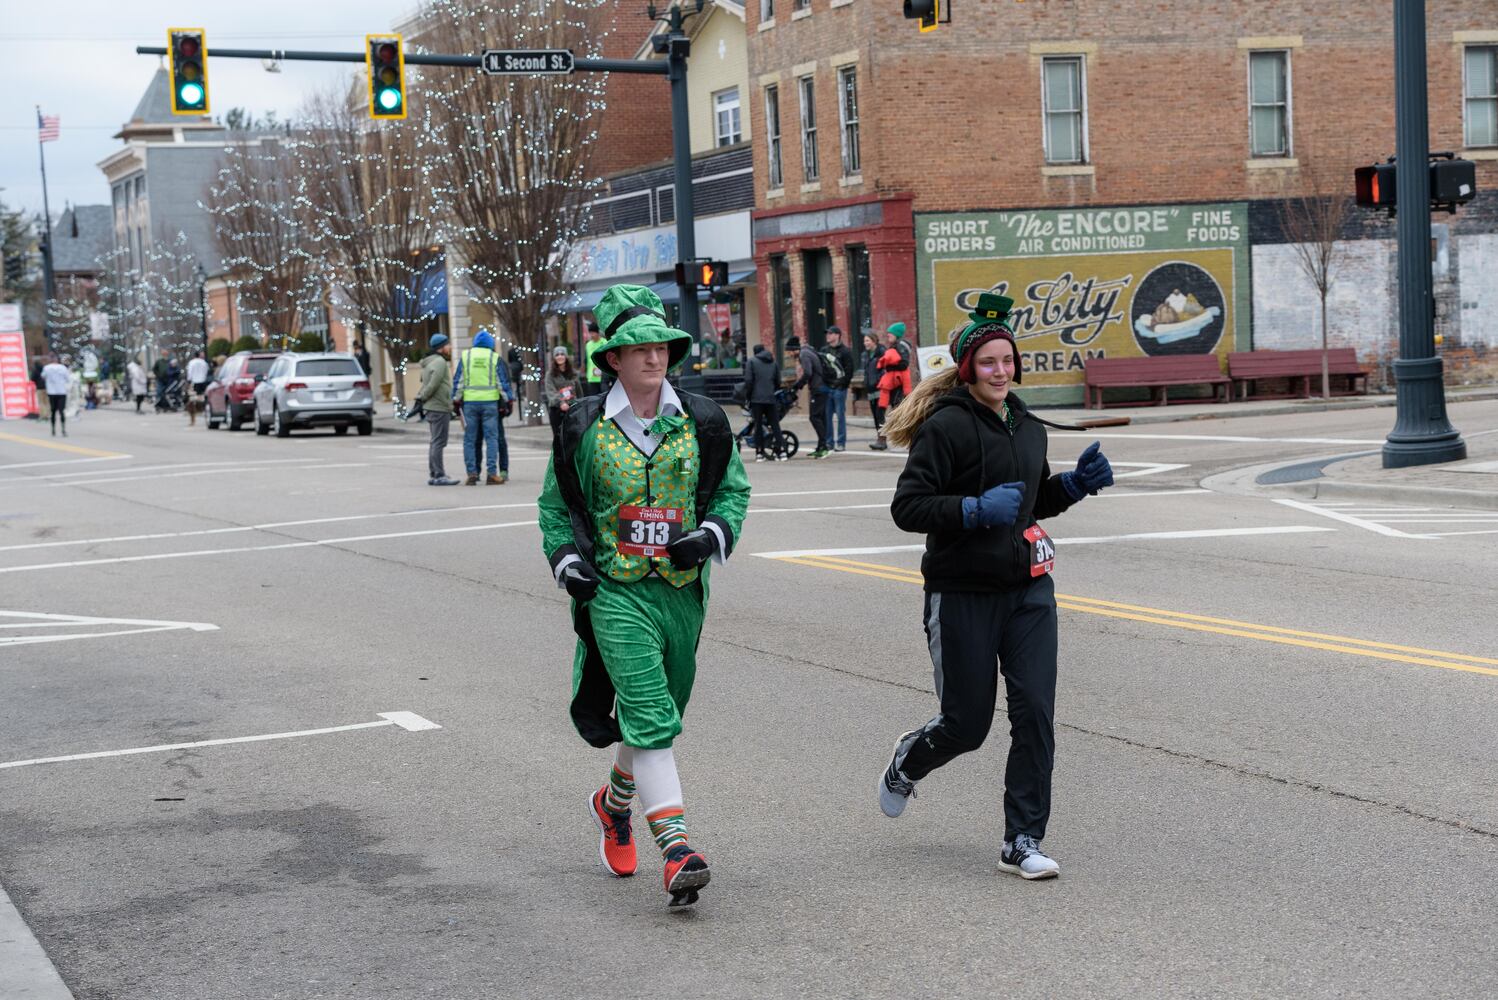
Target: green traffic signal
190, 95
188, 65
390, 99
387, 76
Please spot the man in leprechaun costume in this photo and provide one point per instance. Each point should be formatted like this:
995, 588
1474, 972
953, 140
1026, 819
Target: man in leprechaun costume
644, 489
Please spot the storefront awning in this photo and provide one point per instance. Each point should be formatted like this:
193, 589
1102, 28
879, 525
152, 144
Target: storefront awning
741, 278
576, 302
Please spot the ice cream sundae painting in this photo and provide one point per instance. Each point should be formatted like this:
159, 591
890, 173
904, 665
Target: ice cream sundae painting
1178, 310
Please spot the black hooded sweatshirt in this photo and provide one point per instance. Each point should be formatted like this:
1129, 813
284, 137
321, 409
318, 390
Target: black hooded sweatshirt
962, 450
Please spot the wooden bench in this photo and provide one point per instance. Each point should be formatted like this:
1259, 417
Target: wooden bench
1246, 368
1156, 374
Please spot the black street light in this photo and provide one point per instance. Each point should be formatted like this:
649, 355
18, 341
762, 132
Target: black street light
1422, 435
203, 306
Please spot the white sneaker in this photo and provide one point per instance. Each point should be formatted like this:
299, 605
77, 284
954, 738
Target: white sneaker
1022, 856
895, 789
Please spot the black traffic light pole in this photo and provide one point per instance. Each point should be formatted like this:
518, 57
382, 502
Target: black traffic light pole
676, 46
1422, 435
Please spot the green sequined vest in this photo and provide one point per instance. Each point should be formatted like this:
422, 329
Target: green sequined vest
616, 473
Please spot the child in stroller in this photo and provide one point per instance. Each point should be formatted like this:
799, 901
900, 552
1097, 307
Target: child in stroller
784, 401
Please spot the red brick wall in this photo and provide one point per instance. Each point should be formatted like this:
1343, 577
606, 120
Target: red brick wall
634, 129
954, 116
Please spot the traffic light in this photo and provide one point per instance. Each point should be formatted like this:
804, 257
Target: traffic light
189, 70
925, 11
1453, 182
1375, 185
702, 273
387, 76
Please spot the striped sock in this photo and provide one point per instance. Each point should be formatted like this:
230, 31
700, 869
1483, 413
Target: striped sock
668, 827
619, 792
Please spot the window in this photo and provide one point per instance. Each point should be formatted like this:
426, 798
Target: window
1064, 99
726, 115
766, 10
772, 136
329, 366
802, 5
847, 89
809, 169
1269, 103
1482, 95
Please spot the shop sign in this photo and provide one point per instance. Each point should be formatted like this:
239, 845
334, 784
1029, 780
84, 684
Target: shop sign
1094, 282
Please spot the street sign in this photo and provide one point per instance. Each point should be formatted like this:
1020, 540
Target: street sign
526, 62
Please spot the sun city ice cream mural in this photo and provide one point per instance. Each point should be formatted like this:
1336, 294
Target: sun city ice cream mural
1096, 282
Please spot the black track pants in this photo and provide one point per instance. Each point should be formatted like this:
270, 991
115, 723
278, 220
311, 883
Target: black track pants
974, 638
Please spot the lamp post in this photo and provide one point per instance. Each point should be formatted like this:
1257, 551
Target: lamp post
203, 306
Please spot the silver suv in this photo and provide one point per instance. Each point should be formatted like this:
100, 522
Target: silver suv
314, 390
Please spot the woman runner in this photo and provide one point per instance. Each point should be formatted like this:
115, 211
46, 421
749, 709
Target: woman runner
976, 482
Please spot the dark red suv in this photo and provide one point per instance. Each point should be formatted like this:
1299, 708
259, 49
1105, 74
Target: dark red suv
231, 391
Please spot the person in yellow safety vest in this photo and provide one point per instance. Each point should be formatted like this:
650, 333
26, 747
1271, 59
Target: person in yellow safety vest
592, 374
482, 382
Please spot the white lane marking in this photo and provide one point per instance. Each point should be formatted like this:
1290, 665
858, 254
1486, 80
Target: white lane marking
64, 461
25, 969
816, 493
1111, 494
1146, 468
36, 619
1450, 534
267, 526
1292, 529
1357, 522
196, 472
408, 721
809, 510
258, 548
1211, 437
153, 468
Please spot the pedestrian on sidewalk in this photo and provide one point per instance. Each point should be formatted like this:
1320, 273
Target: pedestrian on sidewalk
165, 371
197, 387
361, 354
435, 397
481, 384
837, 369
975, 483
761, 382
900, 367
561, 390
893, 382
593, 375
136, 373
809, 374
56, 378
871, 375
645, 490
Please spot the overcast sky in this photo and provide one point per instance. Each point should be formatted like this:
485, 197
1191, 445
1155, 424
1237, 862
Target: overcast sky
76, 59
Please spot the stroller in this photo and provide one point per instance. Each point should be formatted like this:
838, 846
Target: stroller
785, 401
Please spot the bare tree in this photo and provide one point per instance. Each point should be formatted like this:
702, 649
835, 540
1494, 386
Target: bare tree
258, 203
509, 157
1313, 221
152, 302
366, 201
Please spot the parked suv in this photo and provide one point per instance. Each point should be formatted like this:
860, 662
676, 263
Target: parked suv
231, 393
314, 390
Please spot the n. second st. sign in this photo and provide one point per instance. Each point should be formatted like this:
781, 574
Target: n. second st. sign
526, 62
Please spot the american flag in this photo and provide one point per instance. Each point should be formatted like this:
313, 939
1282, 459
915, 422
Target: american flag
48, 127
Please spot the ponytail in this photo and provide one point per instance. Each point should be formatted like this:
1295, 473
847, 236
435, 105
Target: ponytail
906, 419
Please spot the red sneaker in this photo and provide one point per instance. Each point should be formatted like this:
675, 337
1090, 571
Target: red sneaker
686, 872
616, 845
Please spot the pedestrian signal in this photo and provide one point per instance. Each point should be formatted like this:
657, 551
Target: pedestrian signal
702, 273
188, 64
387, 76
1453, 182
927, 12
1375, 185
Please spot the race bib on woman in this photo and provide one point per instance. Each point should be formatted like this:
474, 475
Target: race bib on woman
1042, 550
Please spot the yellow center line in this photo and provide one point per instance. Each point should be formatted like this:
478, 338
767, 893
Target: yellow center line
1198, 623
56, 446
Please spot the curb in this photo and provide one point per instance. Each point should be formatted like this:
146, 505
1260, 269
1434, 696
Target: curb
26, 973
1243, 482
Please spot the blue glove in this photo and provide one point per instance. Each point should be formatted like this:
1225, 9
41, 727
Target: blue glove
997, 506
1093, 473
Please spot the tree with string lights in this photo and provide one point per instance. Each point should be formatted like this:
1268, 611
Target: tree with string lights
509, 160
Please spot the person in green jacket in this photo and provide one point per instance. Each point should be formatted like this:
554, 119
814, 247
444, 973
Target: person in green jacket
644, 489
436, 397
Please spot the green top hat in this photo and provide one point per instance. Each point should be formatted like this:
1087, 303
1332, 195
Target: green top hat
992, 309
633, 314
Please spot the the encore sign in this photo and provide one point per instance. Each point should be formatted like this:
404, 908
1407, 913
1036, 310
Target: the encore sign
499, 62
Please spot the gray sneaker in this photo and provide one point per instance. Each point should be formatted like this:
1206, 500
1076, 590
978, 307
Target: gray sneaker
1022, 856
895, 789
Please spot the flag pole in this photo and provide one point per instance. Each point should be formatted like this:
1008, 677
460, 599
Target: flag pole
47, 277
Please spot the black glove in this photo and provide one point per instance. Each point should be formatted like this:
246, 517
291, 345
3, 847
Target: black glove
692, 549
581, 581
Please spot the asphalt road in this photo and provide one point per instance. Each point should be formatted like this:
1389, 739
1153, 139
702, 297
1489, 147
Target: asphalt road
1275, 762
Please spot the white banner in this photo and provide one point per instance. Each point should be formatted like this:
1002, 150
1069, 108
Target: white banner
10, 317
935, 360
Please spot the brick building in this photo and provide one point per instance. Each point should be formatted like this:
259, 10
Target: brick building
1119, 169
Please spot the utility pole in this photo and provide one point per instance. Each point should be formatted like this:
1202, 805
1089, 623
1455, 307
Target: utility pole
1422, 435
